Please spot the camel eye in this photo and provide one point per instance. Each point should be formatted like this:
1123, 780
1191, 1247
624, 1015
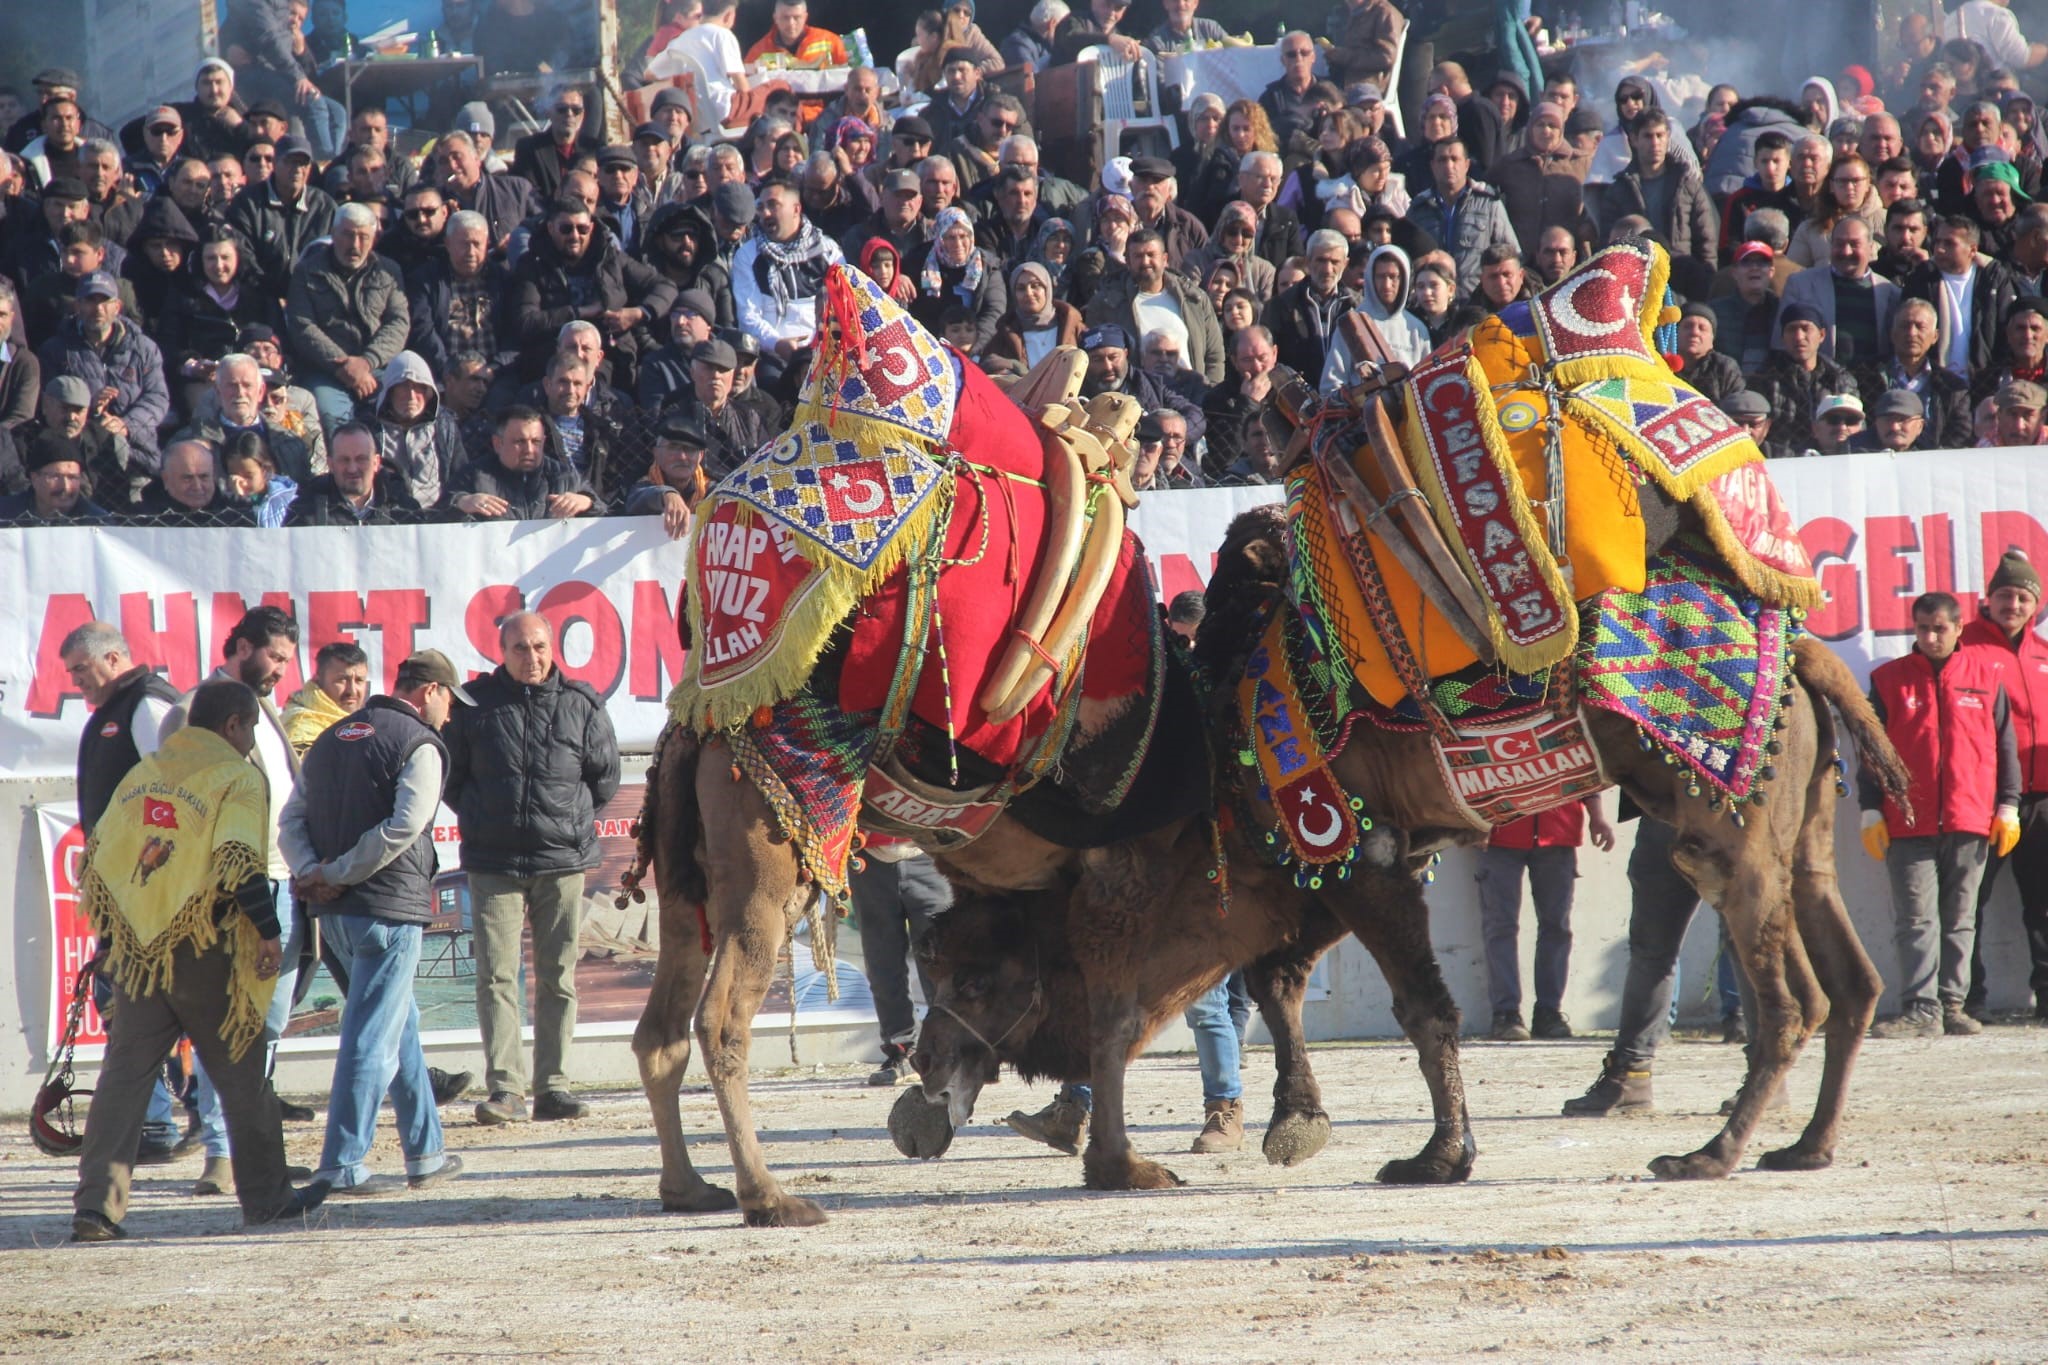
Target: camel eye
974, 987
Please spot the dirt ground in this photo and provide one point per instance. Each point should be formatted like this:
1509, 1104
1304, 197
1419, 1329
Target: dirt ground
1926, 1241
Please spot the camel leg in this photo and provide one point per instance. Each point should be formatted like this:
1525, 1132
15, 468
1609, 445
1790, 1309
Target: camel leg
1387, 912
1742, 872
661, 1042
1116, 1027
1845, 970
753, 882
1299, 1128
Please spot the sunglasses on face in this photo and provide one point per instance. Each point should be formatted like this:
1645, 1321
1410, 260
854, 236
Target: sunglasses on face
423, 214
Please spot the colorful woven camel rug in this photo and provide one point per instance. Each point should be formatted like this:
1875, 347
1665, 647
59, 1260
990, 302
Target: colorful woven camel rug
1698, 666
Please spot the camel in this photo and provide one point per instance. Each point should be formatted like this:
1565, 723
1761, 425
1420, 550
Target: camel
1024, 981
1772, 877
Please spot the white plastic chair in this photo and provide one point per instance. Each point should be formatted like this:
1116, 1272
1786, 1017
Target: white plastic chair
1124, 85
1391, 96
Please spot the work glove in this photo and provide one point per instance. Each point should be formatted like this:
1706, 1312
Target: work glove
1876, 838
2005, 830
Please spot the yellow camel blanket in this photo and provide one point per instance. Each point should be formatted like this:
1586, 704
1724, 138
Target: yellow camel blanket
189, 825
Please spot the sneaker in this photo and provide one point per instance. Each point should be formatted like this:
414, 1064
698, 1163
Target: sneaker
1621, 1089
502, 1107
1958, 1024
1222, 1127
376, 1187
296, 1113
450, 1167
1921, 1020
1508, 1027
217, 1178
1550, 1024
449, 1085
1732, 1030
558, 1104
88, 1225
1061, 1126
895, 1067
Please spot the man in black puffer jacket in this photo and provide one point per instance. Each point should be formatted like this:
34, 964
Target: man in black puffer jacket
529, 767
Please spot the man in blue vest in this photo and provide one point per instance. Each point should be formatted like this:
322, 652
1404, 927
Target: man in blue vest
358, 834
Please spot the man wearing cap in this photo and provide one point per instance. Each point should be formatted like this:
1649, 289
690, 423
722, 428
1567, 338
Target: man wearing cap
1751, 411
670, 112
746, 390
655, 156
622, 201
677, 482
732, 430
1797, 376
51, 83
1837, 420
957, 103
2005, 630
666, 373
1364, 37
122, 369
65, 408
1745, 321
1155, 186
1705, 368
358, 836
36, 249
56, 486
1108, 347
282, 216
214, 125
1971, 294
2016, 413
530, 764
163, 138
1995, 200
900, 218
1897, 423
1853, 301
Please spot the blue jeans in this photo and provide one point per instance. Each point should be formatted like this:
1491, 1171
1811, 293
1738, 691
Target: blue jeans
336, 404
1216, 1050
213, 1128
379, 1052
326, 126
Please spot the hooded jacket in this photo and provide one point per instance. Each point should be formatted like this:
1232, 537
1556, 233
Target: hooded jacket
1834, 103
1406, 337
529, 767
1614, 154
1734, 158
707, 272
425, 452
161, 217
130, 364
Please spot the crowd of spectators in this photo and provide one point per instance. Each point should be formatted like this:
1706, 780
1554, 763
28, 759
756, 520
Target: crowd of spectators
237, 310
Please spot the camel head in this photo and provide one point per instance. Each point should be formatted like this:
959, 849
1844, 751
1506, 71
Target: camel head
1002, 981
1250, 580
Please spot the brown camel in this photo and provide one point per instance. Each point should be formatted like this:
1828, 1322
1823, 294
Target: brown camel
1772, 877
1023, 982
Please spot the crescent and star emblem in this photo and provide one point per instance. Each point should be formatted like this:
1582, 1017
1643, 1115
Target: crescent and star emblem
895, 357
1330, 832
862, 504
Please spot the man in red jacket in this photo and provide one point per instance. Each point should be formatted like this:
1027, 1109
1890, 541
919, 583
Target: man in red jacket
2012, 605
1547, 847
1945, 711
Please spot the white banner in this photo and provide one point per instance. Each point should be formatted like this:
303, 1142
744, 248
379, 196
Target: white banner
609, 587
1881, 529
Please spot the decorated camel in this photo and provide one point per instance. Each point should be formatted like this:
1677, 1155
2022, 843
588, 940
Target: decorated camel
917, 612
1537, 566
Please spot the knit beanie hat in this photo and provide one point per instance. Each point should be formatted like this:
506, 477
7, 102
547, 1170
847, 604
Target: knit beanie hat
2015, 571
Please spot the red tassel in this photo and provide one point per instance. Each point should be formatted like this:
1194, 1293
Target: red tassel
843, 341
1675, 361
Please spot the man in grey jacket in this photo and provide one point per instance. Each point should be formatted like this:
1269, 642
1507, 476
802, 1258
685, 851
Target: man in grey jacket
1138, 298
347, 315
1464, 215
1668, 192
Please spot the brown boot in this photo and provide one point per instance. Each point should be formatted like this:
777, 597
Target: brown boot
1061, 1125
1222, 1127
1957, 1023
1621, 1089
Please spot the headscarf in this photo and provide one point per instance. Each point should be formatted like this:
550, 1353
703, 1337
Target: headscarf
853, 127
1047, 230
1833, 110
933, 281
1032, 321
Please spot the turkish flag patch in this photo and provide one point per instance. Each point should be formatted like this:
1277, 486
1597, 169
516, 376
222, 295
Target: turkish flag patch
159, 814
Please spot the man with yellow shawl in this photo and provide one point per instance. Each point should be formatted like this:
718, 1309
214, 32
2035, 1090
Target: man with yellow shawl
176, 885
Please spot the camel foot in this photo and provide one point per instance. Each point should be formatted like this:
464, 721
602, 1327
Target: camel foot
1795, 1158
1293, 1138
702, 1197
918, 1127
787, 1211
1132, 1173
1691, 1166
1426, 1169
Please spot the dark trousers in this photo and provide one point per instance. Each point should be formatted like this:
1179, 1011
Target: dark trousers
1551, 873
1662, 904
2029, 860
141, 1030
894, 903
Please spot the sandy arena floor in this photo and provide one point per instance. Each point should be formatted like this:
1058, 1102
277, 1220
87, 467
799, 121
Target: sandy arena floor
1926, 1241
